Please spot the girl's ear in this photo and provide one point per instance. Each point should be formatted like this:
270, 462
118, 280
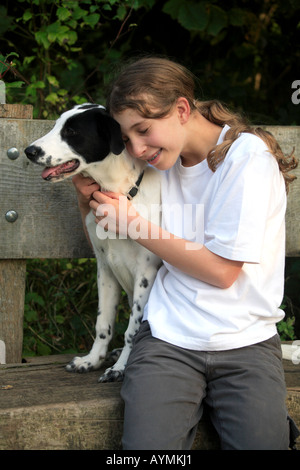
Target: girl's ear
183, 109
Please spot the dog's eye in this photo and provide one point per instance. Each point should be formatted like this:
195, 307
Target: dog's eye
69, 132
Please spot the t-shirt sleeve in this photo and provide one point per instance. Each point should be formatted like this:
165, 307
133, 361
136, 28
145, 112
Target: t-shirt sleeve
245, 198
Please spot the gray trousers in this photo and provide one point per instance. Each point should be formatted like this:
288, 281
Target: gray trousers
165, 387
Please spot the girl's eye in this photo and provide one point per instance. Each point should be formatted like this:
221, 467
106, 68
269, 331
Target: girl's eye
144, 131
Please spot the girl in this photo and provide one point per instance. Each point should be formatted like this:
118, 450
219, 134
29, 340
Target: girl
209, 328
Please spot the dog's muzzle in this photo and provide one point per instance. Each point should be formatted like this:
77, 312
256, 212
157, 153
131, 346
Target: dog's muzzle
34, 153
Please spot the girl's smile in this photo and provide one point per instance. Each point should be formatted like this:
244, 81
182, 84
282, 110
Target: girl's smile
153, 160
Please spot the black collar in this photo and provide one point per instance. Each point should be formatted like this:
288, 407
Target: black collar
135, 188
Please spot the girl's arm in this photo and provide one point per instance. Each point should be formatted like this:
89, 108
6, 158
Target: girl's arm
192, 258
85, 187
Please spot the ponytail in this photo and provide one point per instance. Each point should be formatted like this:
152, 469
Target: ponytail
215, 112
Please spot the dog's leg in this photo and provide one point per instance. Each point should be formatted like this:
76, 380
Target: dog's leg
142, 289
109, 294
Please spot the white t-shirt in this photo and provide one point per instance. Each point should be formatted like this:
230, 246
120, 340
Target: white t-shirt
237, 212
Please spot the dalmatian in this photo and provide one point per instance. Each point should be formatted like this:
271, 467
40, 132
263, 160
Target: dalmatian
87, 140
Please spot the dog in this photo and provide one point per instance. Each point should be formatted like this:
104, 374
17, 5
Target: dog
87, 140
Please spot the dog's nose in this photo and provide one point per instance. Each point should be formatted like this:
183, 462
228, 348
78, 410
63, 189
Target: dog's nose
33, 153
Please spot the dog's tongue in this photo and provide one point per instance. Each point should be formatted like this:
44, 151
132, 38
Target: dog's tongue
47, 172
50, 172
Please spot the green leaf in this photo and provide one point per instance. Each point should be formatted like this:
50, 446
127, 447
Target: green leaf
71, 38
27, 15
217, 20
52, 80
63, 13
6, 22
29, 59
43, 349
62, 92
57, 32
30, 315
34, 297
52, 98
72, 23
92, 20
37, 84
59, 319
172, 8
17, 84
193, 16
79, 13
42, 39
121, 13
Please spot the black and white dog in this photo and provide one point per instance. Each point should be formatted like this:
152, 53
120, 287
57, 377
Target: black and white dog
87, 140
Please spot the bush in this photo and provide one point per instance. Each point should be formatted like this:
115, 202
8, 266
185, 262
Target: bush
61, 304
60, 53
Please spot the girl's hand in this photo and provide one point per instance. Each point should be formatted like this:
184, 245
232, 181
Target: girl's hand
85, 187
113, 212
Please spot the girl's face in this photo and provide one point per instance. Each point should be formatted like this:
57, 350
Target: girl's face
157, 141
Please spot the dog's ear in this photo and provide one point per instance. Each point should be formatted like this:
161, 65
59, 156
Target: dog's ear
116, 142
112, 130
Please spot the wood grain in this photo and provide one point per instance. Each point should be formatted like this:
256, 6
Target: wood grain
43, 407
49, 223
17, 111
12, 285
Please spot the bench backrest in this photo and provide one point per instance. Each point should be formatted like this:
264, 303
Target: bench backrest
42, 220
48, 223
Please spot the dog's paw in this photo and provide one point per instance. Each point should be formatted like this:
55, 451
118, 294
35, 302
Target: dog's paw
112, 375
80, 364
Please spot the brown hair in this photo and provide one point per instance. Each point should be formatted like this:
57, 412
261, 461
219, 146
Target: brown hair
152, 85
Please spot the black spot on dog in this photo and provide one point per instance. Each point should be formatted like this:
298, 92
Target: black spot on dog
137, 305
129, 339
102, 336
144, 283
93, 134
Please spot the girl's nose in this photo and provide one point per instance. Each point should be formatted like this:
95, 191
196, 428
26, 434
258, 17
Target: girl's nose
138, 149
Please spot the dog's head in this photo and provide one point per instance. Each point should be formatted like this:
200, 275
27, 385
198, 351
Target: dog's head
84, 135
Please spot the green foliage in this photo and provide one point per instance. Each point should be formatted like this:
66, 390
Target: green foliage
54, 40
61, 305
292, 299
285, 329
65, 51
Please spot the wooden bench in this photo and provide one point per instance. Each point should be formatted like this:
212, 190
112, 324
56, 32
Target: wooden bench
41, 405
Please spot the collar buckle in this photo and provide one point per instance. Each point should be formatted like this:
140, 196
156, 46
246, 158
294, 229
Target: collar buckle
134, 190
